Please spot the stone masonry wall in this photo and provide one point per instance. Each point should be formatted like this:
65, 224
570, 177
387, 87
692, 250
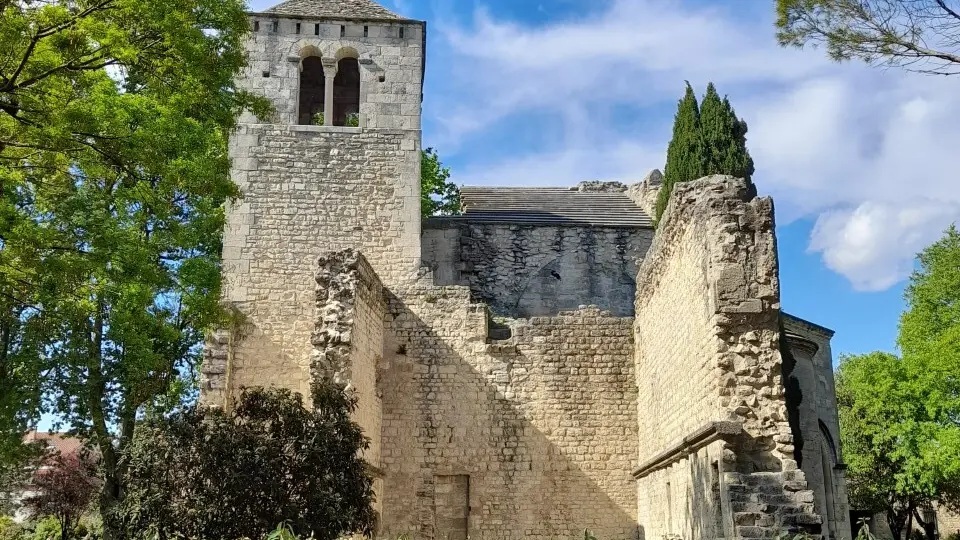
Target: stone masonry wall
540, 426
307, 190
525, 270
822, 459
348, 336
713, 268
391, 67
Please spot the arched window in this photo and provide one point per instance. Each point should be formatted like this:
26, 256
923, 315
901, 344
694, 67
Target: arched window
828, 441
312, 85
346, 91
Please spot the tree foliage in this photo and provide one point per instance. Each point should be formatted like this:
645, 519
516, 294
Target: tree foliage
919, 35
206, 474
708, 138
899, 415
685, 155
438, 195
114, 117
63, 487
724, 138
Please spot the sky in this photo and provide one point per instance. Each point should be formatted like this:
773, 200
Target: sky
859, 160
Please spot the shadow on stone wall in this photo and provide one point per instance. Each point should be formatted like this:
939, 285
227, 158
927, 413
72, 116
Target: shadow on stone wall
548, 440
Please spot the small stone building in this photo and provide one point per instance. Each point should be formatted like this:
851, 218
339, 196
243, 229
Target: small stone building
545, 363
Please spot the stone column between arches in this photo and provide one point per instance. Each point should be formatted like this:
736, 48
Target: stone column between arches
329, 74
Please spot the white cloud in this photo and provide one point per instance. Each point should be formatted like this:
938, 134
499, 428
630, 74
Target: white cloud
869, 244
870, 154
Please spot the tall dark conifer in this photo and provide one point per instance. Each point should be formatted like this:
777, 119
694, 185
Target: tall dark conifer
685, 156
736, 160
716, 127
707, 140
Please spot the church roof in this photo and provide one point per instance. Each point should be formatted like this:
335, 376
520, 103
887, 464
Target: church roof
334, 9
549, 206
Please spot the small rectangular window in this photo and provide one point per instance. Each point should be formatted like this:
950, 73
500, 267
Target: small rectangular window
298, 28
316, 29
276, 26
401, 32
366, 31
256, 26
266, 74
343, 31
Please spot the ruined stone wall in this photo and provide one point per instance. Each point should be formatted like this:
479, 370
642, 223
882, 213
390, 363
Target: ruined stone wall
534, 270
348, 336
948, 523
713, 268
307, 190
538, 428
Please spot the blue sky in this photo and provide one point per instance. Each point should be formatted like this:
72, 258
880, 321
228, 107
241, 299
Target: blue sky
859, 160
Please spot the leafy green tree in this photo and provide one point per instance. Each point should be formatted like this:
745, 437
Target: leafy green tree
207, 474
708, 139
686, 159
920, 35
898, 415
114, 117
438, 195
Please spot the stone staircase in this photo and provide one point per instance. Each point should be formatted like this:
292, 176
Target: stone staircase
766, 504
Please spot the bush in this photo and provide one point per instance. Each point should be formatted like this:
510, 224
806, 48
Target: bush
211, 475
47, 528
10, 530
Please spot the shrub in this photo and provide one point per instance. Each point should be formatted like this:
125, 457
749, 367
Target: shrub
63, 490
10, 530
206, 474
47, 528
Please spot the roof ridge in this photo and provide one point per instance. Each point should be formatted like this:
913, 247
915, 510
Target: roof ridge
343, 9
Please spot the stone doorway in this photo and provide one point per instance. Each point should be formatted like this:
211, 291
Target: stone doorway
451, 507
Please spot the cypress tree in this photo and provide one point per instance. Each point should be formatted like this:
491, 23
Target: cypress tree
736, 160
685, 157
706, 140
715, 129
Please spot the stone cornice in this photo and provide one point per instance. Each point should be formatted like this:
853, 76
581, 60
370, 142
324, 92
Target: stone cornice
710, 433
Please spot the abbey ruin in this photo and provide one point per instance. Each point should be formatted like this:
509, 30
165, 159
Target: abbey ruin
545, 363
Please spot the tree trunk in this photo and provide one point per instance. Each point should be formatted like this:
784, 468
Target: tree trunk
65, 528
929, 527
96, 389
895, 522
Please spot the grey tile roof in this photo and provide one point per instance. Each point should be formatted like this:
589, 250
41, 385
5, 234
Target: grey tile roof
334, 9
548, 206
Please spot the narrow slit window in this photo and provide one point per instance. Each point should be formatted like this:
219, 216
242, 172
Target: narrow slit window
256, 26
366, 31
401, 32
343, 31
276, 26
298, 28
316, 29
669, 508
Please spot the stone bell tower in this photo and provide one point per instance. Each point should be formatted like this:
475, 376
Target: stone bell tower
336, 166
